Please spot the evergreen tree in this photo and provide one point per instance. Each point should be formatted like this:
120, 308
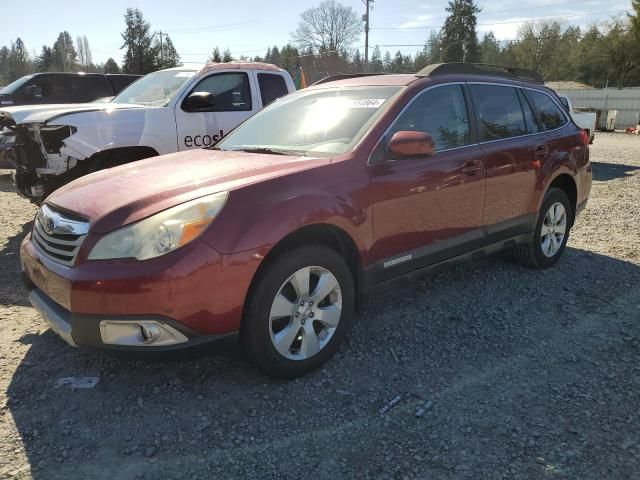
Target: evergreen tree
4, 65
111, 66
275, 57
431, 52
215, 56
64, 53
387, 62
396, 63
357, 65
166, 55
19, 63
290, 59
459, 38
407, 65
226, 56
490, 49
139, 57
45, 61
375, 63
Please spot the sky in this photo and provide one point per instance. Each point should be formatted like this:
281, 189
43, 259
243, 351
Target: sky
248, 27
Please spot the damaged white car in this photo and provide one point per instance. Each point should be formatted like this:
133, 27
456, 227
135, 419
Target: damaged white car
164, 112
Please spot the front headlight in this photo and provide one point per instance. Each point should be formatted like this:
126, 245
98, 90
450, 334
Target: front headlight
161, 233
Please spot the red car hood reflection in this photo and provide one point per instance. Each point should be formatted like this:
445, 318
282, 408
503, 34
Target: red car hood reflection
121, 195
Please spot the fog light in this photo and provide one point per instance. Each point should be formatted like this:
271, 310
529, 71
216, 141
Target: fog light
150, 332
139, 333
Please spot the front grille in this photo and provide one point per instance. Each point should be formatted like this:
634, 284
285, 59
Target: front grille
58, 246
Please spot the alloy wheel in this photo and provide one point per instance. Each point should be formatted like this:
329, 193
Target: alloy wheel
305, 313
554, 229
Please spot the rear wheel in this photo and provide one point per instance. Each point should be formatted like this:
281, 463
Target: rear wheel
551, 234
299, 312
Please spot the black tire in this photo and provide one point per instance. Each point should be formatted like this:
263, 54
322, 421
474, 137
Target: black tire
530, 253
256, 335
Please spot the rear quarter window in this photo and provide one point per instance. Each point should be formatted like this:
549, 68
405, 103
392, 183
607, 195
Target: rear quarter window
119, 82
272, 87
533, 126
549, 112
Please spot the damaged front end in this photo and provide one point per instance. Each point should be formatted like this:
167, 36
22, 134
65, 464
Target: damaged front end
36, 155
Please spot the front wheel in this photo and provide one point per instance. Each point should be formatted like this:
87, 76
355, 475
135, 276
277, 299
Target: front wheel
299, 312
551, 234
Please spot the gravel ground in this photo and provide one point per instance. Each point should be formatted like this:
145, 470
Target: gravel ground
518, 374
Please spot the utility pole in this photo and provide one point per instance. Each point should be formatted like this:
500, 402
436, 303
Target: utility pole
161, 49
365, 18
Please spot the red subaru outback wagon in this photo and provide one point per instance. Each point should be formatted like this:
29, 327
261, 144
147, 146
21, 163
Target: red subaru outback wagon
279, 231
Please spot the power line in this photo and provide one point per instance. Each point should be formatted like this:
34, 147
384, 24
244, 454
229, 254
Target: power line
228, 26
558, 17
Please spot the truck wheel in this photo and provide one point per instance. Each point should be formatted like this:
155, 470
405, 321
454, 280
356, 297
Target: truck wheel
299, 312
551, 234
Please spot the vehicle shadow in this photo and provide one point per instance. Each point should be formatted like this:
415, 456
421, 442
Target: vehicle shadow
603, 172
217, 415
13, 292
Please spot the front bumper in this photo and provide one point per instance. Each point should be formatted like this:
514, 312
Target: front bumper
195, 291
87, 330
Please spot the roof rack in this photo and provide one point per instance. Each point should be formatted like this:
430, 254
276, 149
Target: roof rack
344, 76
515, 73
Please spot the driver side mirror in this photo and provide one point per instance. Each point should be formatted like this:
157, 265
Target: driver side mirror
199, 102
408, 144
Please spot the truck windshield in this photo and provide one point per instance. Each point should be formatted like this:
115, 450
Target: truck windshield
15, 85
155, 89
323, 122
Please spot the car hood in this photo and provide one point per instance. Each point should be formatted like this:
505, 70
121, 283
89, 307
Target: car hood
118, 196
44, 113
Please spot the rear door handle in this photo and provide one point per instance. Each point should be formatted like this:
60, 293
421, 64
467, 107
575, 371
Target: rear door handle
472, 167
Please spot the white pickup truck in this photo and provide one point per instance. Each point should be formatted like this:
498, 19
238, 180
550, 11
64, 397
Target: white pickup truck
586, 120
164, 112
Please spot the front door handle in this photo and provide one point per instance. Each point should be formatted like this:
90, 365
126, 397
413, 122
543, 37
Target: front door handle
472, 167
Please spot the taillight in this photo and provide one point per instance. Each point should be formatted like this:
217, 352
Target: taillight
584, 137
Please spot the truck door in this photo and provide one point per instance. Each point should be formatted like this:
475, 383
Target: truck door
234, 100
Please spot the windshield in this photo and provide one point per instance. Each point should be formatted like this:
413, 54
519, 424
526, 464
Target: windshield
15, 85
155, 89
314, 122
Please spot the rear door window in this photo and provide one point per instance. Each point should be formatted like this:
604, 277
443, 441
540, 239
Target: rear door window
231, 91
499, 111
272, 87
550, 113
88, 88
442, 113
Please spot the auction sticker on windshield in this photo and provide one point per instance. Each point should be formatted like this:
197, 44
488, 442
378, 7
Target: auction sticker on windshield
367, 102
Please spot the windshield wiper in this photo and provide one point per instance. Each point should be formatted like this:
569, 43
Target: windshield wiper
269, 151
